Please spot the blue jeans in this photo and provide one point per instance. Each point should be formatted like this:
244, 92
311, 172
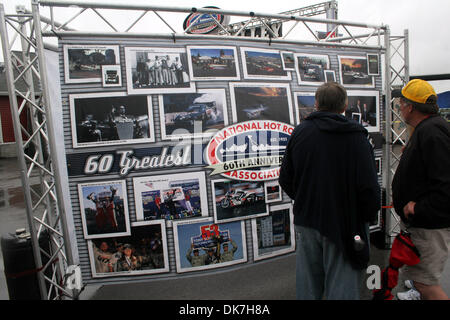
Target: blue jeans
322, 270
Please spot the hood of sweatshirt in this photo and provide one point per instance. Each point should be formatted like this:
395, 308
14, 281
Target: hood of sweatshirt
334, 122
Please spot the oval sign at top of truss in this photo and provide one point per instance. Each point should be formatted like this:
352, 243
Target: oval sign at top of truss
249, 151
204, 23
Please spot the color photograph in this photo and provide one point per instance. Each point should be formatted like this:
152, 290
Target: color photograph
213, 63
261, 101
104, 209
83, 63
288, 60
304, 105
364, 107
238, 200
263, 64
354, 72
274, 234
193, 115
143, 252
171, 197
110, 118
157, 70
202, 244
310, 68
273, 191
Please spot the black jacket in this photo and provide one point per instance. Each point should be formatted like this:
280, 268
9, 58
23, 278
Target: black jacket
329, 171
423, 175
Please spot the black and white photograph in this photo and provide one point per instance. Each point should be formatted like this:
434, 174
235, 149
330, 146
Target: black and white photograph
238, 200
354, 72
373, 62
378, 165
104, 209
330, 76
142, 252
157, 70
364, 107
110, 118
171, 197
304, 105
261, 101
202, 244
193, 115
310, 68
213, 63
111, 76
273, 191
274, 235
261, 64
83, 63
288, 59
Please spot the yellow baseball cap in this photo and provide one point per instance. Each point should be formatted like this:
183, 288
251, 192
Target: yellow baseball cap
418, 90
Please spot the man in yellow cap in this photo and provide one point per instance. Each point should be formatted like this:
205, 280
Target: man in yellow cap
421, 189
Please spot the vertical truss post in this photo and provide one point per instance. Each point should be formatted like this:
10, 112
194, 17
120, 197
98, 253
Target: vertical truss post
20, 150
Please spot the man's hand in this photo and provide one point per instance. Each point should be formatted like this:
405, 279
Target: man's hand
409, 209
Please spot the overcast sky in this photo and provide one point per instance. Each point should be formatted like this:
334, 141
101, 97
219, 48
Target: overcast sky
429, 44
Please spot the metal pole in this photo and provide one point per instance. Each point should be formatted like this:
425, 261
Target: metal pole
51, 132
388, 127
20, 152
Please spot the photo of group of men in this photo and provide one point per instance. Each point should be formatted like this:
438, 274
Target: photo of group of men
203, 244
144, 251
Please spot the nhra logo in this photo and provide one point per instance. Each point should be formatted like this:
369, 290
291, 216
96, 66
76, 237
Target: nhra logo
249, 151
203, 23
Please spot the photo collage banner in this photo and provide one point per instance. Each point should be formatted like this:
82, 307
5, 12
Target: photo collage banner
191, 138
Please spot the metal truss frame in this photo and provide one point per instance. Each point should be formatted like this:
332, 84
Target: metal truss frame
45, 208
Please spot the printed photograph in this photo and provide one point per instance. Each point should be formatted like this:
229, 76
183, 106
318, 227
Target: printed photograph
273, 191
310, 68
203, 244
263, 64
304, 105
157, 70
193, 115
104, 209
144, 251
110, 118
111, 76
363, 107
171, 197
373, 64
288, 60
83, 63
274, 234
261, 101
213, 63
354, 71
378, 165
238, 200
330, 76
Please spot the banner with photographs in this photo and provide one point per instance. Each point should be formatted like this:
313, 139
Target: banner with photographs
157, 70
261, 64
238, 200
110, 118
104, 209
202, 244
83, 63
193, 115
304, 105
364, 107
274, 234
354, 72
171, 197
144, 251
261, 101
310, 68
213, 63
